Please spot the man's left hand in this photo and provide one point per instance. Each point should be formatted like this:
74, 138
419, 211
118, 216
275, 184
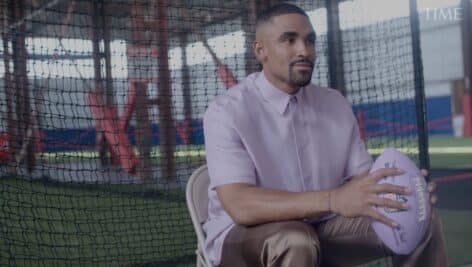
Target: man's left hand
433, 198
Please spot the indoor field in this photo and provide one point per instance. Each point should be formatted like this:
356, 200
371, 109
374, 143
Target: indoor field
101, 107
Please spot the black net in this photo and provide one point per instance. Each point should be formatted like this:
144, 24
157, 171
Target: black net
102, 105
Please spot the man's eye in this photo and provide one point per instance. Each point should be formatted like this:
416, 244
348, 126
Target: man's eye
310, 41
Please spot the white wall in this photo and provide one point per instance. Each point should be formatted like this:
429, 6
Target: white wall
441, 46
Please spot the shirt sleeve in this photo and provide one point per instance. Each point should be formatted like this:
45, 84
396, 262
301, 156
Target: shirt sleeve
227, 159
359, 159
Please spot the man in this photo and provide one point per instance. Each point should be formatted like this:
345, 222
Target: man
290, 182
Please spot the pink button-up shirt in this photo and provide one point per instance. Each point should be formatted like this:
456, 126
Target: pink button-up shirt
257, 134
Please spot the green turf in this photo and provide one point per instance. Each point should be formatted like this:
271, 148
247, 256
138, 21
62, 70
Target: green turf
458, 234
45, 223
442, 141
450, 160
54, 225
463, 161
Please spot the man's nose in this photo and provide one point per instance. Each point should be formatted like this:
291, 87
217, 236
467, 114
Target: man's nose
303, 49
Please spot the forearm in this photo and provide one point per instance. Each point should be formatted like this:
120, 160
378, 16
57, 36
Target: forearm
250, 205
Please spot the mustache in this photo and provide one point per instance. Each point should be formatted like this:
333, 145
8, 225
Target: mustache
305, 61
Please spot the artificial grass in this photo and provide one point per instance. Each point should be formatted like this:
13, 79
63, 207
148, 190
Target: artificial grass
44, 224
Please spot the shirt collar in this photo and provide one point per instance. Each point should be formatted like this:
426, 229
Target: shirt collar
272, 94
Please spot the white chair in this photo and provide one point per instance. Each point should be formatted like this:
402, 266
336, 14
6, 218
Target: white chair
197, 203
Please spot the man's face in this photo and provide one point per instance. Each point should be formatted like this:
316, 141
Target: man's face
285, 46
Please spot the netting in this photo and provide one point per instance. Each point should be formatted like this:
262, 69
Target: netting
102, 105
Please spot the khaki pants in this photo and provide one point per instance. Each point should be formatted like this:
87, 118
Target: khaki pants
336, 242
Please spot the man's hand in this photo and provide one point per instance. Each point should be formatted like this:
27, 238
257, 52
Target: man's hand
359, 196
433, 198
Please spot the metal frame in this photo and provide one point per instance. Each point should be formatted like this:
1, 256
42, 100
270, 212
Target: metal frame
197, 204
420, 98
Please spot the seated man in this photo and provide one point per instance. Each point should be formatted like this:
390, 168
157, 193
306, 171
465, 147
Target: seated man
290, 182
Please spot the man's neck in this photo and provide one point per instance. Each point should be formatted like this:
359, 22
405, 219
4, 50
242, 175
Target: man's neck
282, 86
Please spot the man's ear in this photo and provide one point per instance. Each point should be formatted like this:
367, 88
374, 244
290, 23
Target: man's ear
258, 49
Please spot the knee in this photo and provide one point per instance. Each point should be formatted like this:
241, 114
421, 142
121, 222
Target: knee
295, 240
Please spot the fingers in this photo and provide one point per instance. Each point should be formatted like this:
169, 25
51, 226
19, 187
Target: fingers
384, 172
424, 172
431, 187
390, 188
433, 199
374, 214
388, 203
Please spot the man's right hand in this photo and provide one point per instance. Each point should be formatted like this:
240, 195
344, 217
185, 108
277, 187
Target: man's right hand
360, 196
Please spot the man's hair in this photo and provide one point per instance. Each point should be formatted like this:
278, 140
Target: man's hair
274, 11
277, 10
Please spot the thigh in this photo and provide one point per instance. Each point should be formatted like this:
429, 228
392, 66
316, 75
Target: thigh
349, 242
244, 246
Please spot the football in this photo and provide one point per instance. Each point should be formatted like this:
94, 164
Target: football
414, 221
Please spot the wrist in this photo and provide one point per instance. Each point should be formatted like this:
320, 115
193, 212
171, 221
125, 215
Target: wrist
331, 202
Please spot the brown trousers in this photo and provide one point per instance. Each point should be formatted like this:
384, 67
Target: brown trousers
336, 242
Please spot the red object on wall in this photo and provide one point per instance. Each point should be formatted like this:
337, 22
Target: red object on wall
226, 76
4, 153
38, 140
467, 111
184, 131
129, 107
109, 123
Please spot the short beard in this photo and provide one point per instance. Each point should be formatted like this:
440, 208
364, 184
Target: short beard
299, 79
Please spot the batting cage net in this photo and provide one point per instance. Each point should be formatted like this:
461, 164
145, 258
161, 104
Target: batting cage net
102, 103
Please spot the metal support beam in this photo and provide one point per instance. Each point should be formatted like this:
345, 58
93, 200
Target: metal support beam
420, 99
9, 90
98, 80
143, 132
466, 26
186, 88
166, 122
109, 92
23, 105
96, 47
335, 47
249, 17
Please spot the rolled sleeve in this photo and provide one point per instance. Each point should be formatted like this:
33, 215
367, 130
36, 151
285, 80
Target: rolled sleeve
227, 159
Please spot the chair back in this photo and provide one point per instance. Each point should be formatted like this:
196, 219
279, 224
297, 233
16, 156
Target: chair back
197, 203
